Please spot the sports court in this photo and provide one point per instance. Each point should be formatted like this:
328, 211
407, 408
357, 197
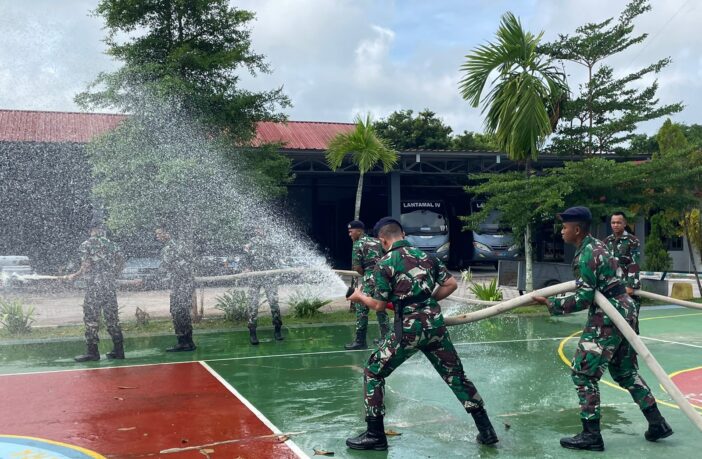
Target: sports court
290, 398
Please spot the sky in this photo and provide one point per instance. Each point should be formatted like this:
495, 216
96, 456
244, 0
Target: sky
336, 59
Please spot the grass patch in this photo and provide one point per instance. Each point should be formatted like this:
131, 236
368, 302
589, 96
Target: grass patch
164, 326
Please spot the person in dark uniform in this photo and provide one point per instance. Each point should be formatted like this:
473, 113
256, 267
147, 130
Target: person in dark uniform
176, 260
101, 261
408, 277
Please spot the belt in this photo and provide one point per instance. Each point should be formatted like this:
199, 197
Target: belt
399, 311
615, 291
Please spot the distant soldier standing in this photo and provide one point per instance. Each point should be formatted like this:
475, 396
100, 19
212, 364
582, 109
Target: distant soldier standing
407, 276
177, 259
365, 254
101, 261
260, 255
627, 249
601, 344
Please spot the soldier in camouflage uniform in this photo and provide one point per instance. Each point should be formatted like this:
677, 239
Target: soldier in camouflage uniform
365, 254
101, 261
627, 249
601, 344
406, 276
176, 260
261, 255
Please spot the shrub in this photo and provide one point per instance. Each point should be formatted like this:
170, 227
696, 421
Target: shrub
234, 304
14, 318
489, 292
306, 304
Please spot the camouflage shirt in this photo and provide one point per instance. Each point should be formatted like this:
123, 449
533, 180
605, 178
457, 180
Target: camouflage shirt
102, 258
627, 249
176, 259
260, 254
406, 273
594, 269
366, 252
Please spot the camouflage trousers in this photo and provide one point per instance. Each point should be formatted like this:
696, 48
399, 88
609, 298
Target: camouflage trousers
101, 300
271, 291
436, 345
362, 311
181, 305
603, 347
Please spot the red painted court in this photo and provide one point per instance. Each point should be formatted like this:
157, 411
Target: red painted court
179, 410
690, 384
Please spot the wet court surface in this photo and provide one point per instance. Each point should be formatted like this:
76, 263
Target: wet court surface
308, 388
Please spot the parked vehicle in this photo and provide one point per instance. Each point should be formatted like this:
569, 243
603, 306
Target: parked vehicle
426, 227
491, 243
15, 264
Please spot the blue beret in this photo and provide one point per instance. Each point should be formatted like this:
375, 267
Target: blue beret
575, 214
383, 222
356, 224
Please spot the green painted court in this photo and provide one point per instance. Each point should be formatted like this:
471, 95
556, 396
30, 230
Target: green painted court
310, 389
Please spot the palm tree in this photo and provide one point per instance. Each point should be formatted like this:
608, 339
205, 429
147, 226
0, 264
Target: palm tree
366, 150
521, 106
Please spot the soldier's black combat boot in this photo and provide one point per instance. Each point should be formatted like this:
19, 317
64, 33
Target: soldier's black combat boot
91, 354
358, 343
589, 439
486, 433
253, 339
185, 344
657, 427
277, 333
373, 438
117, 351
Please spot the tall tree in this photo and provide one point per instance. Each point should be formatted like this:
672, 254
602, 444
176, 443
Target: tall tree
521, 105
367, 151
671, 137
602, 118
194, 49
404, 131
474, 141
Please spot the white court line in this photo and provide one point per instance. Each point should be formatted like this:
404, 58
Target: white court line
225, 359
673, 342
289, 443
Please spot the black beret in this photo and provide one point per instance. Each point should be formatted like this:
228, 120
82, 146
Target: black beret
383, 222
576, 214
356, 224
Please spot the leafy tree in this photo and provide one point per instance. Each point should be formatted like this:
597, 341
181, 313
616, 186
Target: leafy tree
194, 49
474, 141
366, 149
180, 74
643, 144
604, 115
671, 137
517, 106
657, 257
404, 131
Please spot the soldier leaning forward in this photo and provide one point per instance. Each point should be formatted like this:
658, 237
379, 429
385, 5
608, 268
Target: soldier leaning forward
626, 248
101, 261
601, 344
365, 254
406, 276
177, 261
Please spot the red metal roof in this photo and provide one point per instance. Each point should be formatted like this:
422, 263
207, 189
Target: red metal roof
32, 126
35, 126
299, 135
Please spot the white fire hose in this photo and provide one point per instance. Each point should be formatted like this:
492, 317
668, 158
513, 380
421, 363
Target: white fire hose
619, 321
